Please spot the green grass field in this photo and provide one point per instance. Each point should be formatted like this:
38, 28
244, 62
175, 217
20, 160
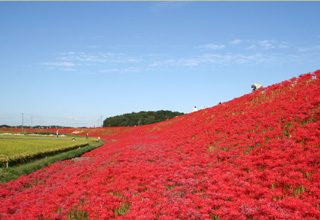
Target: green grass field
20, 149
19, 169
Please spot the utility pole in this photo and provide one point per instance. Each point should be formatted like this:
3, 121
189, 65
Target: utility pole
101, 121
22, 120
31, 123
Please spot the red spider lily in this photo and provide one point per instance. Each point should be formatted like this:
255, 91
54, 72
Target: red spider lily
254, 157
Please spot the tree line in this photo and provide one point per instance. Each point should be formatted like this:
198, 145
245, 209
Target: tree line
140, 118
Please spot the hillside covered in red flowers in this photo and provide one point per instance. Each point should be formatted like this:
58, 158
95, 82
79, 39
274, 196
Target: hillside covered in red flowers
254, 157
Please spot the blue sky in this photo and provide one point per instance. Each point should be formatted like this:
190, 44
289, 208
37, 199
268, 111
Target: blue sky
69, 63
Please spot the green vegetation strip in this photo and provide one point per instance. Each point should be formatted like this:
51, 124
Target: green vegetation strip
18, 150
21, 149
14, 172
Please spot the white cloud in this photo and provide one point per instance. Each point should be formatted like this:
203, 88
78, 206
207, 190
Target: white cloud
226, 59
66, 64
305, 49
131, 69
266, 44
192, 62
251, 47
236, 41
82, 57
109, 70
258, 52
67, 53
213, 46
68, 69
283, 45
215, 58
209, 59
99, 57
162, 63
124, 70
72, 118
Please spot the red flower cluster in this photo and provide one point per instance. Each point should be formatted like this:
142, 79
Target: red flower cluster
254, 157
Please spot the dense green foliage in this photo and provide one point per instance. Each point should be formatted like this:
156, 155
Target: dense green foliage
140, 118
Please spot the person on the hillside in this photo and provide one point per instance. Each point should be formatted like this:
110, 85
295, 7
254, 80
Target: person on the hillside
87, 135
57, 133
195, 109
256, 86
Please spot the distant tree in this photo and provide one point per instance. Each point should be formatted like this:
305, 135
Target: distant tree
149, 120
5, 126
140, 118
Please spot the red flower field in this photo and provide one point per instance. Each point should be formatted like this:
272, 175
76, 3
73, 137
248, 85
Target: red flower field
254, 157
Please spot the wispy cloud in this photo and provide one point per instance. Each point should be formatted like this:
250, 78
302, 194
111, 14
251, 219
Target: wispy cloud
251, 47
214, 59
306, 49
236, 41
131, 70
109, 70
283, 45
212, 46
72, 118
239, 52
266, 45
68, 53
65, 64
68, 69
162, 62
123, 70
80, 57
65, 60
190, 62
227, 58
98, 57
